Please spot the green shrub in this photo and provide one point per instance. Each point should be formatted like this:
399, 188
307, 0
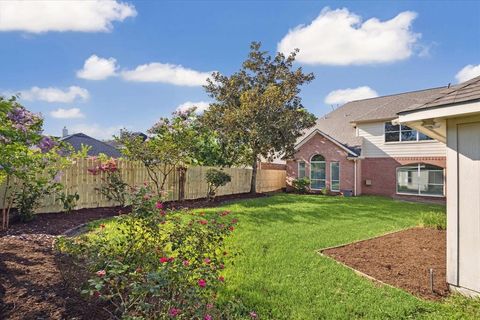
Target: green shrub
215, 179
435, 220
301, 185
155, 263
69, 201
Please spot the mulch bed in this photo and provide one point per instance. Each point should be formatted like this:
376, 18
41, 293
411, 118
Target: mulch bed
31, 273
402, 259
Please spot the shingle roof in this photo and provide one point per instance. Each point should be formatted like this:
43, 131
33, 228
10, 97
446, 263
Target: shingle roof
388, 107
97, 146
463, 92
338, 123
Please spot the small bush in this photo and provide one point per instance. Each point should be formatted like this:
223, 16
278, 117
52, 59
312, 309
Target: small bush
113, 187
69, 201
434, 220
215, 179
301, 185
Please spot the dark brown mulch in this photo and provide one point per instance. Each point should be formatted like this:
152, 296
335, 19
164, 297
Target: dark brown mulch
31, 273
31, 284
402, 259
58, 223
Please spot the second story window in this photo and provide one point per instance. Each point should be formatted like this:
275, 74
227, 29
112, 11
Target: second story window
400, 133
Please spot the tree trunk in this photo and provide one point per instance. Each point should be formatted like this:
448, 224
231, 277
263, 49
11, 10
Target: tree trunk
253, 182
182, 177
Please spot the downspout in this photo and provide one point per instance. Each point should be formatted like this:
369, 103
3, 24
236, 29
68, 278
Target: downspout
355, 177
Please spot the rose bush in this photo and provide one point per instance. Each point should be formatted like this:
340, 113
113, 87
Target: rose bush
113, 187
155, 263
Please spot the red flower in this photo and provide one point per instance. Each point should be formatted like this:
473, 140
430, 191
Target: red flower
171, 259
207, 261
204, 222
101, 273
231, 228
162, 213
159, 205
221, 266
96, 294
207, 317
234, 221
253, 315
173, 312
186, 263
221, 279
163, 259
202, 283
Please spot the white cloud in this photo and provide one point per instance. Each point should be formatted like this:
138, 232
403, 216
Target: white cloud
468, 72
166, 73
52, 94
343, 96
42, 16
339, 37
96, 130
96, 68
72, 113
201, 106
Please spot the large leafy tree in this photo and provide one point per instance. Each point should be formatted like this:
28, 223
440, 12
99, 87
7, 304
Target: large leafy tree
257, 110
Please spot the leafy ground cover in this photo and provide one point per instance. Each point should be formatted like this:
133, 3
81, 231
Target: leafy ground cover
278, 273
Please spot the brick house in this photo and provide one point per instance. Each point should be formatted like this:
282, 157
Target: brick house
357, 149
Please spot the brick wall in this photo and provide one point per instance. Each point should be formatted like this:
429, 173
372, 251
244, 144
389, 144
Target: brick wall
331, 152
382, 173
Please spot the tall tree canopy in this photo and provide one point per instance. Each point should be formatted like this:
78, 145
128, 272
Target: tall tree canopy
257, 110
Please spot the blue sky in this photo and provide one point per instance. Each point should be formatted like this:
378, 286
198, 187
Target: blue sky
43, 49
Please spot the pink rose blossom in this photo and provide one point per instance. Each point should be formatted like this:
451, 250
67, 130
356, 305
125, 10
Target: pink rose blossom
159, 205
253, 315
101, 273
207, 317
163, 260
207, 261
186, 263
173, 312
221, 279
202, 283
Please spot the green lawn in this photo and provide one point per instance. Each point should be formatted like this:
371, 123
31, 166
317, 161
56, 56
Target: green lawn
280, 275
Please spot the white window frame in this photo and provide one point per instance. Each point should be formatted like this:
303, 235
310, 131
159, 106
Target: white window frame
400, 135
304, 169
331, 176
325, 169
418, 191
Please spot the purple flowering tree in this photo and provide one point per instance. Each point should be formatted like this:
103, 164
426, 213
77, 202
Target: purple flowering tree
29, 161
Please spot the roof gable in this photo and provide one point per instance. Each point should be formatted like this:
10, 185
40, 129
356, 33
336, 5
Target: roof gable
316, 131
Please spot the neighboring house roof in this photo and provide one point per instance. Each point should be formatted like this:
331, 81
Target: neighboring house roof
463, 92
97, 146
339, 124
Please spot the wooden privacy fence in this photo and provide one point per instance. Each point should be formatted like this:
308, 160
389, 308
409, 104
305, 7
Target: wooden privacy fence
76, 178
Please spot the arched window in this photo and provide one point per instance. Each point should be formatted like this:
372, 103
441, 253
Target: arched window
420, 179
317, 157
317, 172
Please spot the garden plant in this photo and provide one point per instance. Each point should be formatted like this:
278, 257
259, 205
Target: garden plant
155, 263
